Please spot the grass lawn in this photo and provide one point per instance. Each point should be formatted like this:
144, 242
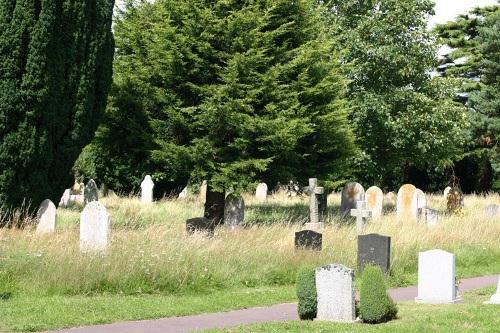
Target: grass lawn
471, 316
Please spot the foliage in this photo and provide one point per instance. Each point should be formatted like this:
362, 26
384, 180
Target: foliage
55, 73
375, 305
306, 293
228, 91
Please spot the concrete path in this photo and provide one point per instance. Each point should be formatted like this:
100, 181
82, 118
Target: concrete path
280, 312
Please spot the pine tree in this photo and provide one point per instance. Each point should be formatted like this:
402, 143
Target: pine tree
55, 73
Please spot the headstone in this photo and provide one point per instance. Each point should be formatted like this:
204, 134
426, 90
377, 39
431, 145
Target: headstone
314, 190
436, 278
76, 198
261, 192
407, 202
361, 212
77, 188
65, 199
308, 240
203, 192
495, 299
374, 249
46, 217
375, 201
454, 200
95, 228
91, 192
421, 200
335, 290
351, 194
391, 198
200, 224
234, 211
183, 193
446, 191
492, 211
431, 217
147, 186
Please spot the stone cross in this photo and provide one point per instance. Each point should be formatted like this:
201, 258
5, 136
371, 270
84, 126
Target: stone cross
313, 190
360, 213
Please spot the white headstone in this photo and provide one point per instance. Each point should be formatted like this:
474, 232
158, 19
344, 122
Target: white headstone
407, 202
436, 278
375, 201
446, 191
431, 217
495, 299
147, 186
421, 201
261, 192
65, 199
46, 216
95, 228
184, 193
335, 290
351, 194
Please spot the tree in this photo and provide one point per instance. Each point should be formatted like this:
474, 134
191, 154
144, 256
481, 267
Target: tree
55, 73
233, 92
404, 119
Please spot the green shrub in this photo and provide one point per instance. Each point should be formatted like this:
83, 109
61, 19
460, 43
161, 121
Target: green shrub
375, 304
306, 293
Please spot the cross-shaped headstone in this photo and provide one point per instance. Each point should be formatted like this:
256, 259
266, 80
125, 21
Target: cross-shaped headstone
313, 190
360, 213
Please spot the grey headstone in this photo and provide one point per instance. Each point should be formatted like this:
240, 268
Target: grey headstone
335, 290
351, 194
374, 249
200, 224
308, 240
147, 186
95, 228
91, 192
46, 216
313, 190
234, 211
65, 199
431, 217
492, 210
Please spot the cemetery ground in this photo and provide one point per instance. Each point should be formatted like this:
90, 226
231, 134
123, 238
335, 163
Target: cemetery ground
153, 269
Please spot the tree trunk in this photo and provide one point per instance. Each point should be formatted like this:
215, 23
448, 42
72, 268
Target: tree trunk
214, 205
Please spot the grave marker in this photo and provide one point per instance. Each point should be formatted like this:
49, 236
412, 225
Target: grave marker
351, 193
95, 228
147, 186
361, 212
374, 249
261, 192
90, 192
308, 240
234, 211
200, 224
407, 202
375, 201
46, 216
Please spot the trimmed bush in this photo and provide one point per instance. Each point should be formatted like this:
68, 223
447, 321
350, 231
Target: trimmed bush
306, 293
375, 304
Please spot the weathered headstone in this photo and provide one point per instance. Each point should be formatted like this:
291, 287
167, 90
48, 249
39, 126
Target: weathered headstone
46, 216
65, 199
361, 213
374, 249
95, 228
492, 211
203, 191
183, 193
374, 201
335, 290
261, 192
407, 202
495, 299
421, 200
391, 198
446, 191
308, 240
351, 194
436, 278
431, 217
91, 192
200, 224
147, 186
234, 211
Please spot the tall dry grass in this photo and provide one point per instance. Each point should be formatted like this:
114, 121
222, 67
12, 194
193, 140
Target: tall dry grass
150, 252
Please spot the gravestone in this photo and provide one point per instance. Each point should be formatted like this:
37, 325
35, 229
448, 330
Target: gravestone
436, 278
261, 192
421, 201
77, 188
391, 198
407, 202
446, 191
46, 216
335, 293
147, 186
351, 194
313, 190
374, 249
495, 299
203, 192
454, 200
65, 199
95, 228
492, 211
234, 211
431, 217
91, 193
183, 193
361, 212
374, 201
308, 240
200, 224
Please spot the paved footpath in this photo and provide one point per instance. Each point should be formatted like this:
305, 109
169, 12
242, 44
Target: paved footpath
280, 312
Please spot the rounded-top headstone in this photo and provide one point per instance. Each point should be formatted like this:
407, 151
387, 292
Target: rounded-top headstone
421, 200
261, 192
351, 194
46, 216
234, 210
446, 191
91, 192
407, 202
374, 201
95, 228
147, 186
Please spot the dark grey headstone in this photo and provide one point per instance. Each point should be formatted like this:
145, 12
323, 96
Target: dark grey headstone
492, 210
308, 240
234, 211
374, 249
200, 224
91, 192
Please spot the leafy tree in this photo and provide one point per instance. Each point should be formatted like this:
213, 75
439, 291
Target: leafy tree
55, 72
232, 92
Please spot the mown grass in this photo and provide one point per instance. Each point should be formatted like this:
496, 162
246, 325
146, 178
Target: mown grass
470, 317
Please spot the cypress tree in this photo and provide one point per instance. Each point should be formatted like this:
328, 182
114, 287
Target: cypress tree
55, 73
